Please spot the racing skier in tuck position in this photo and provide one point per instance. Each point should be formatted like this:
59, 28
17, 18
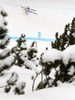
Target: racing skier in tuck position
28, 9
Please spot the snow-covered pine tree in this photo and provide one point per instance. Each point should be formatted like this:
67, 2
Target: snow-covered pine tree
30, 58
21, 46
67, 38
19, 88
32, 50
60, 59
6, 59
12, 83
25, 56
61, 43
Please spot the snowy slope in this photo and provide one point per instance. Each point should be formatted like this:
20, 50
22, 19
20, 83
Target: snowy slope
63, 92
52, 17
66, 93
23, 75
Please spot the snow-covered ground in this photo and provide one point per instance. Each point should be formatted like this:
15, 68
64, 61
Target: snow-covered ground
63, 92
52, 15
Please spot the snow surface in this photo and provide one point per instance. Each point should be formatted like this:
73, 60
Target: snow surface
64, 91
12, 79
60, 93
52, 17
53, 54
2, 20
4, 40
4, 53
7, 61
69, 54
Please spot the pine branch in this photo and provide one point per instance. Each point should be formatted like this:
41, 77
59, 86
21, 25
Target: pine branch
35, 79
3, 86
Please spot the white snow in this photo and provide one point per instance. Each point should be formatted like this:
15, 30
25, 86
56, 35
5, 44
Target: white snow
71, 70
52, 17
30, 64
51, 55
2, 20
7, 61
23, 45
4, 53
4, 40
13, 78
60, 93
20, 85
68, 54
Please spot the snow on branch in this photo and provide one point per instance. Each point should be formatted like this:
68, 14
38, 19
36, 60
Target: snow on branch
29, 64
68, 54
2, 21
53, 54
4, 41
7, 61
4, 53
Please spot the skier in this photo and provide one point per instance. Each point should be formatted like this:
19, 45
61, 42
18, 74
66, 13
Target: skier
27, 10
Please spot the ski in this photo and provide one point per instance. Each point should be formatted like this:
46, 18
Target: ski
32, 9
33, 12
29, 8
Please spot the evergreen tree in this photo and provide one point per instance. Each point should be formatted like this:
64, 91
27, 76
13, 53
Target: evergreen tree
25, 56
6, 59
12, 83
19, 89
32, 50
61, 43
62, 71
30, 58
67, 38
21, 46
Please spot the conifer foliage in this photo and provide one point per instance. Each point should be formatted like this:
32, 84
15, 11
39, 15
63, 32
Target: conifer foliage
6, 59
61, 43
21, 45
60, 59
11, 82
25, 56
30, 56
67, 38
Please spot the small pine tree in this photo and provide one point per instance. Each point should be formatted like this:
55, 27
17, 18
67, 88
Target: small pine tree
4, 40
11, 82
19, 89
21, 46
62, 70
25, 56
32, 50
67, 38
13, 79
7, 89
61, 43
30, 60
